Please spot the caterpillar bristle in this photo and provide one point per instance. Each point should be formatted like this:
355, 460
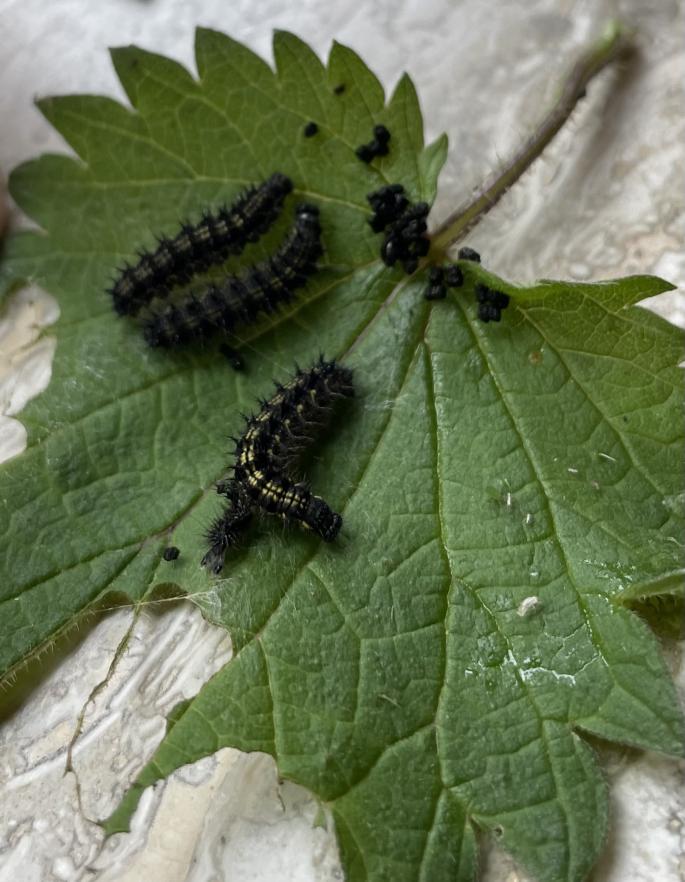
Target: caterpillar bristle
196, 247
240, 299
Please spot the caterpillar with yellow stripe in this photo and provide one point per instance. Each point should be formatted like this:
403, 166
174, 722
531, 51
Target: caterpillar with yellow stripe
266, 453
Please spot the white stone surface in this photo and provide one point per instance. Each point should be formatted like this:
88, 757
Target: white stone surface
606, 199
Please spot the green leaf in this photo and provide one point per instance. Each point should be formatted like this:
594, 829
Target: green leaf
506, 489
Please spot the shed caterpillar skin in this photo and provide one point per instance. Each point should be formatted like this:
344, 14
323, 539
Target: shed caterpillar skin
490, 303
376, 147
388, 204
266, 453
198, 246
240, 299
440, 278
404, 225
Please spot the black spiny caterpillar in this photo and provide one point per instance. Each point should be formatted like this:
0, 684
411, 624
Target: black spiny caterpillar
197, 247
266, 453
239, 299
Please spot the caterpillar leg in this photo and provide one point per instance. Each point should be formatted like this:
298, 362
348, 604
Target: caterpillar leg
224, 531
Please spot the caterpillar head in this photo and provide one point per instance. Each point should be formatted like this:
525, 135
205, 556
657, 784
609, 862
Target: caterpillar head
320, 518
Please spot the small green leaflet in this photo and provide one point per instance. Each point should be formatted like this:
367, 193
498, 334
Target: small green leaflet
506, 490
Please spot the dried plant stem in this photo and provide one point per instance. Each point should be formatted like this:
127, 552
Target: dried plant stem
613, 44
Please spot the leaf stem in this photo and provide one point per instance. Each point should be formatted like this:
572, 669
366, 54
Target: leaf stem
613, 44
